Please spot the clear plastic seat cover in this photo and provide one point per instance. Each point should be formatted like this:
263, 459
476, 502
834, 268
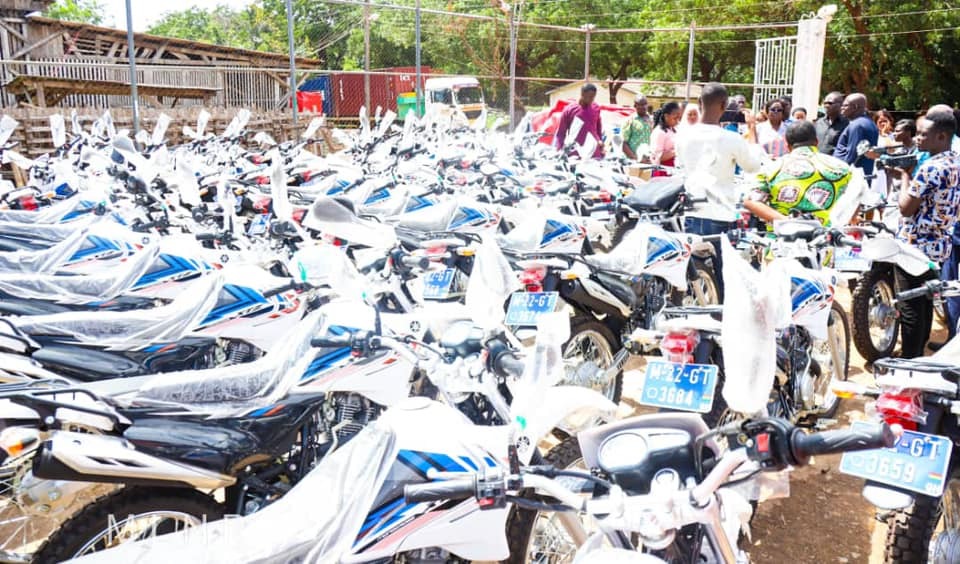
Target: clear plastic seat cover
46, 214
45, 231
432, 218
316, 521
224, 390
81, 289
126, 329
45, 260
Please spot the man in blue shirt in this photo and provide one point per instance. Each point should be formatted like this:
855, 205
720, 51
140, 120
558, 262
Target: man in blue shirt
860, 128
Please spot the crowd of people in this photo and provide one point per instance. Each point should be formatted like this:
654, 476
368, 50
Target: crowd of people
800, 162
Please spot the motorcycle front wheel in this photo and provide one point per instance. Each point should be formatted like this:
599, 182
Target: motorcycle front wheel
875, 323
127, 515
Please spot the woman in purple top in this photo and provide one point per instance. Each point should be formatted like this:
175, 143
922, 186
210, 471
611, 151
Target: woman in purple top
589, 113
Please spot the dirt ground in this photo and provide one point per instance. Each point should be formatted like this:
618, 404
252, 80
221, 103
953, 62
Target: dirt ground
825, 519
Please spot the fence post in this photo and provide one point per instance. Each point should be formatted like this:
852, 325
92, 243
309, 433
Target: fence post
366, 54
693, 32
293, 62
514, 25
587, 28
131, 52
419, 86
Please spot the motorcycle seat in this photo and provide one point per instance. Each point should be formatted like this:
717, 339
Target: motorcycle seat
21, 306
249, 384
130, 329
41, 260
659, 194
80, 289
623, 291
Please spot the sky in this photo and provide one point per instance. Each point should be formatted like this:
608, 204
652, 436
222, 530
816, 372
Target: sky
147, 12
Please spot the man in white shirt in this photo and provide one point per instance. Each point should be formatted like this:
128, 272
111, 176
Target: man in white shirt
709, 155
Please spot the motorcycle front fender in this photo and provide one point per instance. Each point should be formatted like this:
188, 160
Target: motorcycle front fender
576, 407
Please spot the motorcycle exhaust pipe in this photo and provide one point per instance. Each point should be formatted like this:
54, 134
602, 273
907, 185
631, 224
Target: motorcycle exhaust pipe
98, 458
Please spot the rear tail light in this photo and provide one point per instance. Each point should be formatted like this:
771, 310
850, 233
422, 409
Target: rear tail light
532, 278
262, 204
605, 197
28, 203
679, 346
299, 214
263, 180
903, 407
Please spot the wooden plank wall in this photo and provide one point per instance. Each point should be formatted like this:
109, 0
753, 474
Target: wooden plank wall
238, 86
33, 132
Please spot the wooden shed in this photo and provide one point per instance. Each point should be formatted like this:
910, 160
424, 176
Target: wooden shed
47, 62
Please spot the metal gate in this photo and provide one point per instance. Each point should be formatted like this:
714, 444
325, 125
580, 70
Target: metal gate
773, 70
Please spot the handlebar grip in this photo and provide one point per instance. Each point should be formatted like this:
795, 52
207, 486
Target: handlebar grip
207, 236
508, 365
415, 262
804, 446
332, 341
440, 491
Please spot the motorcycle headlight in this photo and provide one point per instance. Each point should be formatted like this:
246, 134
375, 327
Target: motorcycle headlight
622, 452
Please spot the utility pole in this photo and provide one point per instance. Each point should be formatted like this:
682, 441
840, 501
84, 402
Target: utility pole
587, 28
693, 26
515, 13
366, 55
132, 54
419, 89
293, 62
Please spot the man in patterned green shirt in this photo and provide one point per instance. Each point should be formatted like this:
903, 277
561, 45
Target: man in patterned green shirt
804, 181
637, 131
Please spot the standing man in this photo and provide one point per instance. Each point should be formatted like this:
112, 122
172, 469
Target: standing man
860, 128
589, 113
929, 203
637, 131
710, 155
832, 124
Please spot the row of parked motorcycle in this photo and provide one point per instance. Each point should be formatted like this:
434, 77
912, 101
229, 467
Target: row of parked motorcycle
413, 349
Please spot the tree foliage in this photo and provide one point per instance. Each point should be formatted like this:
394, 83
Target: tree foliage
898, 52
86, 11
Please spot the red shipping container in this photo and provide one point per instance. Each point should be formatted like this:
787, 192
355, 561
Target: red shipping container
348, 96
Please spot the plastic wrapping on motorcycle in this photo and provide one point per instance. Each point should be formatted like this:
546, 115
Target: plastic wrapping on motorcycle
527, 234
491, 283
331, 217
755, 305
46, 260
326, 265
648, 249
432, 218
81, 289
131, 328
225, 390
315, 522
46, 232
47, 214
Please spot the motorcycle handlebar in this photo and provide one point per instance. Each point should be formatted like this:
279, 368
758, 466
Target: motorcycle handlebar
805, 445
415, 262
506, 364
458, 489
332, 341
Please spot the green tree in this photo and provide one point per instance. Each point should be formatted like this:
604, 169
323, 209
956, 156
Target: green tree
86, 11
218, 26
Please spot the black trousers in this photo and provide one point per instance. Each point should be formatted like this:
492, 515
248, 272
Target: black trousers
916, 315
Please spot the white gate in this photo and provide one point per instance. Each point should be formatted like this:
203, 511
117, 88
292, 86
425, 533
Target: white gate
774, 69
